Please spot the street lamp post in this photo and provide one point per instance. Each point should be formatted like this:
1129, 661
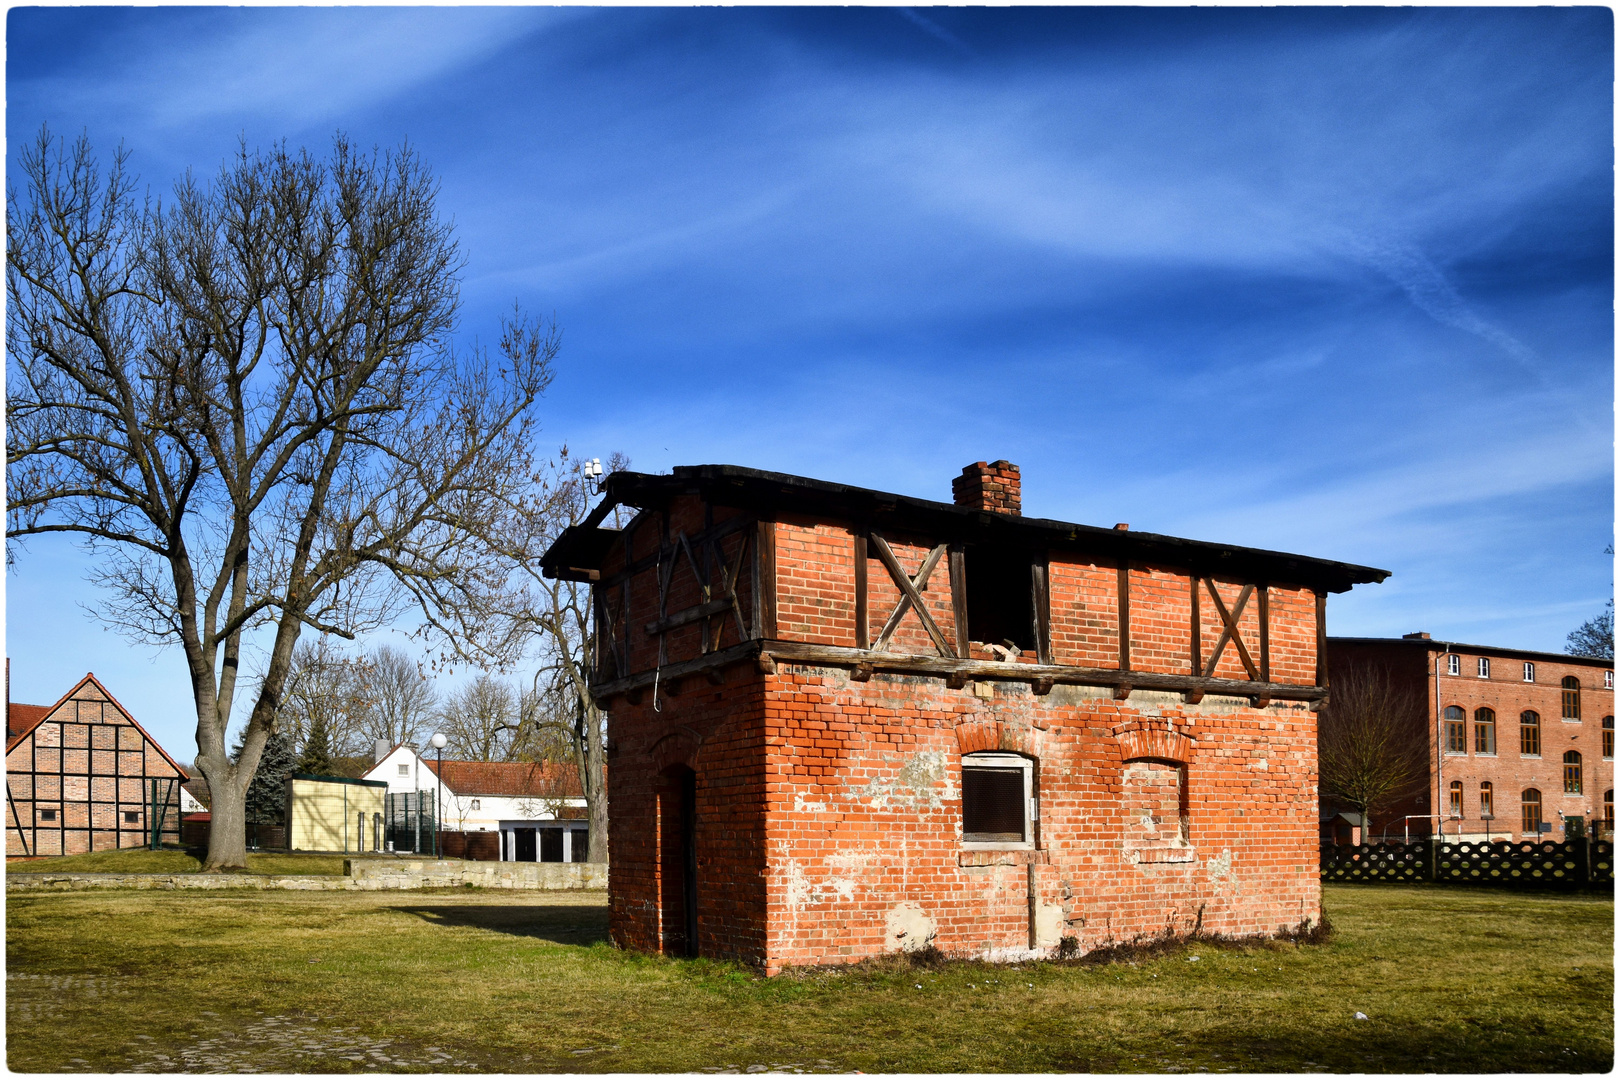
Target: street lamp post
438, 741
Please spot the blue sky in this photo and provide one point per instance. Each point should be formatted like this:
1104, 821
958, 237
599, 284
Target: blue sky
1334, 281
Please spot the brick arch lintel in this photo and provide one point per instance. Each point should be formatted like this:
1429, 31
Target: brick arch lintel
979, 733
1161, 741
679, 747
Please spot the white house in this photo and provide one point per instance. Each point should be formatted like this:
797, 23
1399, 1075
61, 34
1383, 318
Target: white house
538, 808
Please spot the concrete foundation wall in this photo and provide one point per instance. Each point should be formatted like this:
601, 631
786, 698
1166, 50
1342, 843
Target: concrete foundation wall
367, 875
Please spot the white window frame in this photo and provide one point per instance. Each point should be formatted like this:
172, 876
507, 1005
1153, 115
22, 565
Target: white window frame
1529, 672
474, 805
1484, 667
1032, 811
1453, 664
1608, 680
405, 768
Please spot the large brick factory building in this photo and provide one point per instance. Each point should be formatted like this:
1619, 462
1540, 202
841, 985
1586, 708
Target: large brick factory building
1521, 743
845, 722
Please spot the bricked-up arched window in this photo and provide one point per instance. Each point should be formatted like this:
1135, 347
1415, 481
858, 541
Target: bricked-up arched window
1456, 798
1572, 698
1484, 731
998, 795
1530, 810
1155, 803
1456, 730
1530, 733
1572, 773
1608, 738
1487, 801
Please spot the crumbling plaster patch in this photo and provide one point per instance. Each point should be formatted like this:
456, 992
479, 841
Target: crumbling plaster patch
1050, 924
919, 785
908, 928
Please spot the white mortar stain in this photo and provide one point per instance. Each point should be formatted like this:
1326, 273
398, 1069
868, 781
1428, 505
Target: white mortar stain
801, 805
908, 928
918, 786
800, 890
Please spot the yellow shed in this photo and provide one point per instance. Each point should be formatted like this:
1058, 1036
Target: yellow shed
334, 813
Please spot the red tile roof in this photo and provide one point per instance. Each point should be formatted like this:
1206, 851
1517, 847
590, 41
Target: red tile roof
20, 717
515, 779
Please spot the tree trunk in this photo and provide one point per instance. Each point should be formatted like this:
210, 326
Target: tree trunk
227, 821
591, 775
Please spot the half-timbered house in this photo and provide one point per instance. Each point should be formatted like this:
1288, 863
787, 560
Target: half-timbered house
844, 722
82, 775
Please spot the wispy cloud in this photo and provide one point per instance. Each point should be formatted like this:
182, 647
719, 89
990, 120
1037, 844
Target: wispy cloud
297, 67
1430, 290
932, 28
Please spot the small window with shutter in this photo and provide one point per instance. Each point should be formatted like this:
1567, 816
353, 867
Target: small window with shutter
997, 799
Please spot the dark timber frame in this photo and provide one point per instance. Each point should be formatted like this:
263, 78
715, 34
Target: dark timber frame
872, 516
140, 832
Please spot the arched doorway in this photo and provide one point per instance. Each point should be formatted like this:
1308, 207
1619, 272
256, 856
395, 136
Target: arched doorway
677, 861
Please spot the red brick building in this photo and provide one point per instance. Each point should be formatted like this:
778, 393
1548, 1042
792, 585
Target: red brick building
1518, 740
844, 722
80, 777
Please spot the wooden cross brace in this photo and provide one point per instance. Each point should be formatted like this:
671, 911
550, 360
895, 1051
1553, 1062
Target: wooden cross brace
707, 606
910, 595
1229, 631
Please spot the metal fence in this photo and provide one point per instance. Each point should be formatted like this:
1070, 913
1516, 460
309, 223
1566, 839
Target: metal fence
408, 823
1578, 863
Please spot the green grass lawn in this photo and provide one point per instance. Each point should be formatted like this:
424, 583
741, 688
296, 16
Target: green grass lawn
171, 861
1451, 980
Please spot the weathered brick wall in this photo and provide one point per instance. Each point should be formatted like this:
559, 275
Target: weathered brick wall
1085, 613
717, 730
865, 818
815, 582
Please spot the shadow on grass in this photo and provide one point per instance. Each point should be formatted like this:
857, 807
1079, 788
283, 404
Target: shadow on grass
563, 924
1378, 1045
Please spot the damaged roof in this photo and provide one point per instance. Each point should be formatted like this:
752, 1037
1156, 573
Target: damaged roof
579, 552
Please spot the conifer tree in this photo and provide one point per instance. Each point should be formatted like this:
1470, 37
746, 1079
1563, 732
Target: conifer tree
317, 755
266, 794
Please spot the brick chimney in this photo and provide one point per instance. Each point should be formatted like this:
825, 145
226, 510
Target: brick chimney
989, 487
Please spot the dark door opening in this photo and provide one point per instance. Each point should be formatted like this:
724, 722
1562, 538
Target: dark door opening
525, 845
689, 844
677, 858
551, 845
999, 596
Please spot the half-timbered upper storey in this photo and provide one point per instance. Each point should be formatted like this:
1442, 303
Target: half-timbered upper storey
721, 565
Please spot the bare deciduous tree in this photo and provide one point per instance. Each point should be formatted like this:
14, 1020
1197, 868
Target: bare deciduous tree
537, 615
327, 698
402, 700
480, 720
1372, 743
1595, 636
249, 402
